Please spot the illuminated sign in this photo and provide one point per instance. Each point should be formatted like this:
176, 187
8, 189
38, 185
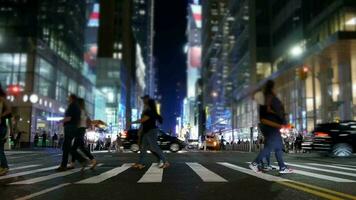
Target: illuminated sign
94, 16
196, 10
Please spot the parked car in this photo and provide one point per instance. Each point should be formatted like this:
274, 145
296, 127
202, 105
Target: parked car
337, 139
166, 142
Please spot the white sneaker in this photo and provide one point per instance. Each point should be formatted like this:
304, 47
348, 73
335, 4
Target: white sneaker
286, 171
254, 167
160, 164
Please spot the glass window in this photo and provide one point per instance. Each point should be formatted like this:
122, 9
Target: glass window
44, 69
62, 80
72, 86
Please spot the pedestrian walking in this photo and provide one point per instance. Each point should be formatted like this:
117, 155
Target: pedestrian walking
44, 139
18, 139
272, 120
5, 113
149, 120
55, 140
79, 138
36, 139
71, 123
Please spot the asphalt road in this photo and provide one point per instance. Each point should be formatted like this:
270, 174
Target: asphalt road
192, 175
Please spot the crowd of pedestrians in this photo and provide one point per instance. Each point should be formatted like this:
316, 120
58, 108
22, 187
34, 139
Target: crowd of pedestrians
75, 122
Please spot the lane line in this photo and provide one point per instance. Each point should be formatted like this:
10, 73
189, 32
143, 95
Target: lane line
106, 175
42, 192
153, 175
322, 170
27, 172
328, 194
263, 176
49, 177
352, 166
205, 174
335, 167
321, 176
24, 167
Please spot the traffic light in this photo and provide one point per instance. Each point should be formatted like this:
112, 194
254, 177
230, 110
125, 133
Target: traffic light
303, 72
14, 90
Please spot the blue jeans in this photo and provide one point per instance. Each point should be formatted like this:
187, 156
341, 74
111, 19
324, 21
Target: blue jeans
273, 143
3, 160
149, 142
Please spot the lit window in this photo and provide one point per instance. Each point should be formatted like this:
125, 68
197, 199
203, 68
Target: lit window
142, 12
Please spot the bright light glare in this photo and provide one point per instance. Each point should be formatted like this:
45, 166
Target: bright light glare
351, 21
34, 98
55, 119
296, 51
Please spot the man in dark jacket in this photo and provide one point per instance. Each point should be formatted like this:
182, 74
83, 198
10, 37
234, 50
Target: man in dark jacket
71, 122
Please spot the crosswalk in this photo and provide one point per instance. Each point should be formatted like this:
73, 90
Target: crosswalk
326, 172
205, 172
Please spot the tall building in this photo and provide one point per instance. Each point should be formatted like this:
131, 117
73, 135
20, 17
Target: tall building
116, 60
41, 55
213, 100
305, 46
143, 27
193, 49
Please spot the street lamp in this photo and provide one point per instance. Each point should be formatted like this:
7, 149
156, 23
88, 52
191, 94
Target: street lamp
214, 94
296, 51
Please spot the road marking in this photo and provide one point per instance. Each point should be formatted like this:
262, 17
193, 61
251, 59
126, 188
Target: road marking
323, 170
42, 192
352, 166
153, 175
205, 174
27, 172
49, 177
263, 176
320, 176
335, 167
24, 167
311, 189
106, 175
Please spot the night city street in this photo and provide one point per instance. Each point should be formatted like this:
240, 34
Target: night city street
192, 175
177, 99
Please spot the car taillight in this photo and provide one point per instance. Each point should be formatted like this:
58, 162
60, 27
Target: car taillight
321, 134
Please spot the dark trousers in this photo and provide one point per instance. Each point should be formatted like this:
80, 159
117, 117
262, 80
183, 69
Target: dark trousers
273, 143
149, 141
3, 160
80, 144
70, 132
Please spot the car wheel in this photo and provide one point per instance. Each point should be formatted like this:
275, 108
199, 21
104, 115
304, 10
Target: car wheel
134, 148
174, 147
342, 150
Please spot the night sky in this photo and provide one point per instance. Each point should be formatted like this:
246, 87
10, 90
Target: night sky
170, 59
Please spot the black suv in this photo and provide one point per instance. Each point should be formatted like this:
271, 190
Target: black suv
338, 139
166, 142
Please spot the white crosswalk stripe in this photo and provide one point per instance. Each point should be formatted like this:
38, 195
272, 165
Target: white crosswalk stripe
263, 176
153, 175
27, 172
24, 167
48, 177
205, 174
330, 173
321, 176
352, 166
106, 175
331, 166
322, 170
